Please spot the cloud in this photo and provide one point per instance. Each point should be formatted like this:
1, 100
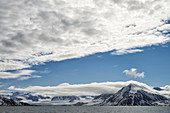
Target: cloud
66, 89
28, 77
24, 78
124, 51
5, 92
133, 73
17, 74
55, 30
167, 88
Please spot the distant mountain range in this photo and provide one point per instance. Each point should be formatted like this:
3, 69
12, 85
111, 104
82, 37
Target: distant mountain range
131, 95
11, 102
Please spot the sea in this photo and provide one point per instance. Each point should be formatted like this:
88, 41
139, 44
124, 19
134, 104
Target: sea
84, 109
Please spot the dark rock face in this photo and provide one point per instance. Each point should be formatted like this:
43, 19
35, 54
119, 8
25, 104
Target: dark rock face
10, 102
79, 104
158, 88
69, 98
128, 96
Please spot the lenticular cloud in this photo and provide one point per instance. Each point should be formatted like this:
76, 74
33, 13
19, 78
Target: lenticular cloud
38, 31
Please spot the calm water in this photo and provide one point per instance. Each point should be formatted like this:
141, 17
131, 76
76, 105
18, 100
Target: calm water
84, 109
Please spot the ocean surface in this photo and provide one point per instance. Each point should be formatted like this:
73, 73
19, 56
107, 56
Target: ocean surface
84, 109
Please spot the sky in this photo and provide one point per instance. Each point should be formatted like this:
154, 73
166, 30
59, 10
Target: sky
55, 42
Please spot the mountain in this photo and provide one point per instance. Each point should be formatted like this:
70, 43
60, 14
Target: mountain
46, 100
65, 98
134, 95
102, 97
19, 96
25, 97
10, 102
71, 100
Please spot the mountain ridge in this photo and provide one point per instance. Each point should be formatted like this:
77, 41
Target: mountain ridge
132, 94
10, 102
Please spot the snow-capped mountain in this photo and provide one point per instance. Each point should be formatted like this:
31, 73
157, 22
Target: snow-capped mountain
134, 95
71, 100
46, 100
18, 96
9, 102
26, 97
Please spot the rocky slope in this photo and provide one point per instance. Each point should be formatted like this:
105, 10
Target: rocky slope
132, 95
21, 96
10, 102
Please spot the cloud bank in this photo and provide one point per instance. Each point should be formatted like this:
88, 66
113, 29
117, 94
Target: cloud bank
133, 73
66, 89
77, 89
37, 31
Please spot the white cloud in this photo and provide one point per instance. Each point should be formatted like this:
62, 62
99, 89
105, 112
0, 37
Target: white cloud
28, 77
36, 76
124, 51
24, 78
12, 75
78, 89
34, 32
133, 73
5, 92
66, 89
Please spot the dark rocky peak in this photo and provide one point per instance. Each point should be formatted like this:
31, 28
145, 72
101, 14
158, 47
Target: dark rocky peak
10, 102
